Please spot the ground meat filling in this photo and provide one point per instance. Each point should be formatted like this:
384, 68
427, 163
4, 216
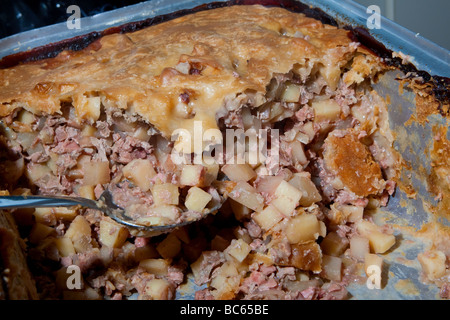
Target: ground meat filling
64, 157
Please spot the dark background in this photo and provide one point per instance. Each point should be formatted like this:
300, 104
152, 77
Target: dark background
21, 15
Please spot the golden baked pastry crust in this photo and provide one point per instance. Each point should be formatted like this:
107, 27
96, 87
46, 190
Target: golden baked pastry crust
352, 162
237, 48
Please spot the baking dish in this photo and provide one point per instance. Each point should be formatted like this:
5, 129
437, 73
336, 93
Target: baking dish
414, 139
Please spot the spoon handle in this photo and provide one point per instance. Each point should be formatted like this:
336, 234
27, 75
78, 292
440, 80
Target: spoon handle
11, 202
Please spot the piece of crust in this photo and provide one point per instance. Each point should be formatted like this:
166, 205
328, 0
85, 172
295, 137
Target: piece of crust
351, 161
16, 282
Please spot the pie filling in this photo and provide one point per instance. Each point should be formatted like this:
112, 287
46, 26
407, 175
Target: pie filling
294, 223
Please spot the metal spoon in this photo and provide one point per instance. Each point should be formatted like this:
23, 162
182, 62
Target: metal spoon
105, 204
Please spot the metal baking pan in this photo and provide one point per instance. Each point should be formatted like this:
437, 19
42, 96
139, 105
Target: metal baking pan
402, 275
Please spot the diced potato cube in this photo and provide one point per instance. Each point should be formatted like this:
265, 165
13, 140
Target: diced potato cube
79, 232
152, 221
197, 199
268, 184
332, 268
66, 214
169, 247
238, 249
379, 242
36, 171
331, 73
302, 228
226, 281
79, 226
262, 170
286, 198
44, 215
359, 247
310, 194
326, 110
87, 192
271, 110
192, 175
322, 228
267, 218
88, 131
260, 258
26, 117
212, 170
87, 107
245, 194
433, 263
348, 212
39, 232
308, 130
239, 172
276, 110
64, 246
366, 227
165, 193
141, 133
197, 265
26, 139
146, 252
247, 118
333, 244
370, 261
168, 212
240, 211
157, 289
353, 213
158, 267
291, 93
298, 153
112, 234
51, 163
96, 173
228, 269
211, 174
140, 172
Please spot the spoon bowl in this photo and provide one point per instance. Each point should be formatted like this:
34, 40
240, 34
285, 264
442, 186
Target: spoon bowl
105, 204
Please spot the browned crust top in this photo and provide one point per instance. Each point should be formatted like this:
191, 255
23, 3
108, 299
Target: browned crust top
353, 164
234, 49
